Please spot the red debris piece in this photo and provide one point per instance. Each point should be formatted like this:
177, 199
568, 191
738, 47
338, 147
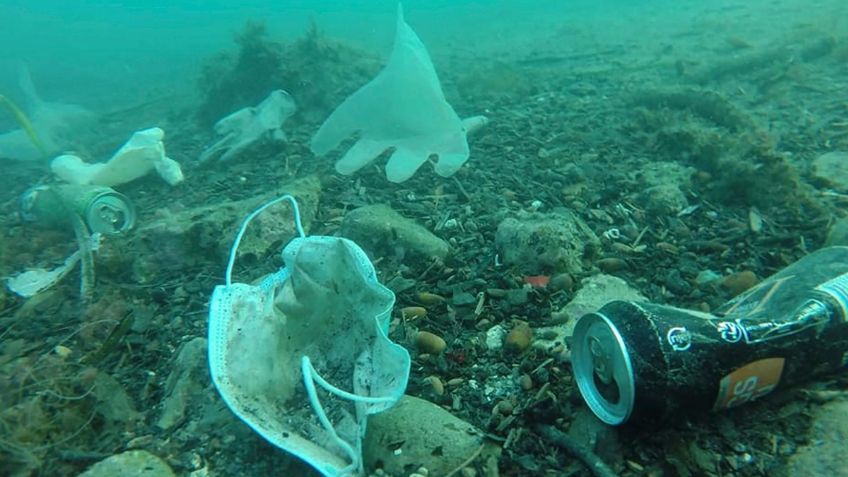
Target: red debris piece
537, 281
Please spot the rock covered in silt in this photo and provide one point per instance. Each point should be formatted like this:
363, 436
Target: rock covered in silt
382, 231
542, 243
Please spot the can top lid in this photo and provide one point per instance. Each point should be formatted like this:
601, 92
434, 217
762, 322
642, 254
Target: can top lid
602, 369
110, 213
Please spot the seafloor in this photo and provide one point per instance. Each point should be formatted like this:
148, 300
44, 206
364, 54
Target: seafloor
580, 120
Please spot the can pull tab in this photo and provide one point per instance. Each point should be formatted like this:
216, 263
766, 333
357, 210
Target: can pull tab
110, 213
112, 216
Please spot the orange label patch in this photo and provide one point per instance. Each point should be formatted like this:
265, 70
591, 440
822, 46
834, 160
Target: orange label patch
749, 382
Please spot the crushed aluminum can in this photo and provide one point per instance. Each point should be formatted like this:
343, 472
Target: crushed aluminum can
641, 362
102, 209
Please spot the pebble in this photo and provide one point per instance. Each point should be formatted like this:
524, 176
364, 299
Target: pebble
413, 312
505, 407
495, 337
430, 299
436, 384
739, 282
526, 382
518, 296
429, 342
622, 247
611, 264
667, 247
561, 281
518, 338
468, 472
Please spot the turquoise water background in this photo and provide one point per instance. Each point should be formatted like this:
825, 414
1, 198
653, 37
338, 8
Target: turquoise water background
103, 53
96, 50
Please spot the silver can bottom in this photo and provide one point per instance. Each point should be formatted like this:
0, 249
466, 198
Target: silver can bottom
602, 369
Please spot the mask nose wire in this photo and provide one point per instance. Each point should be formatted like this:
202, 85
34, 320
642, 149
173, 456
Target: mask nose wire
297, 224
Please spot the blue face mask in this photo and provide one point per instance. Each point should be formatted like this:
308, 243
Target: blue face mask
303, 356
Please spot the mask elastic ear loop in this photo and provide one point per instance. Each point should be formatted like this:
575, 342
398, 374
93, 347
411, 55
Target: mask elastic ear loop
298, 226
308, 371
341, 392
310, 377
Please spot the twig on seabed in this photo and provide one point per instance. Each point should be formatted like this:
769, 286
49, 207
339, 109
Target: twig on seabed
586, 456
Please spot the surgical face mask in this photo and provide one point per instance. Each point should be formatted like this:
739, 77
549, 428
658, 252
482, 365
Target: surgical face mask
303, 356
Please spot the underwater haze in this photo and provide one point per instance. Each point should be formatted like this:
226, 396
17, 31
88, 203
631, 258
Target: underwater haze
104, 51
442, 194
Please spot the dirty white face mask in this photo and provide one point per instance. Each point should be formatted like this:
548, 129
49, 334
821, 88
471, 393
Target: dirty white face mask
303, 357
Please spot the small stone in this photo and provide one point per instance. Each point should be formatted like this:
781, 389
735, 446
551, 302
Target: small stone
561, 281
622, 248
62, 351
430, 299
495, 337
667, 247
702, 176
519, 337
676, 283
138, 463
436, 384
838, 233
429, 342
706, 277
413, 312
739, 282
463, 299
504, 407
468, 472
496, 292
755, 221
518, 296
829, 168
526, 382
611, 264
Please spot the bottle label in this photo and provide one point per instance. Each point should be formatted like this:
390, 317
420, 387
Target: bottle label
752, 381
837, 289
758, 319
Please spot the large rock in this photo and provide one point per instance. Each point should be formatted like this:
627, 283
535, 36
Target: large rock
832, 169
838, 233
664, 199
135, 463
658, 173
113, 401
661, 186
385, 233
538, 243
825, 454
595, 292
185, 383
181, 240
417, 433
